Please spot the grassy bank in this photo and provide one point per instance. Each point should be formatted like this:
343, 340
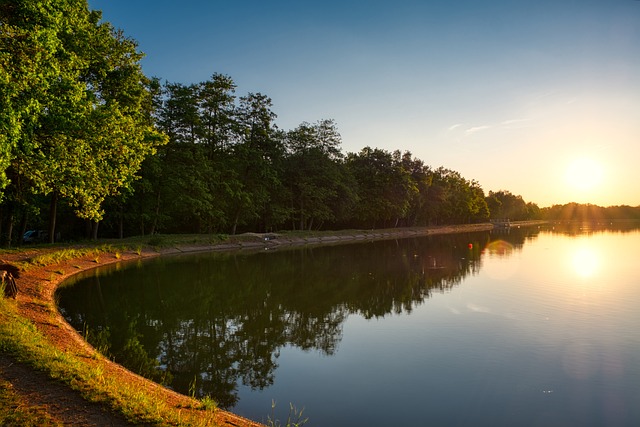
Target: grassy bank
24, 340
33, 333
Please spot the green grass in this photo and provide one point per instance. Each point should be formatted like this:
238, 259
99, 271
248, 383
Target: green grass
207, 403
57, 256
20, 338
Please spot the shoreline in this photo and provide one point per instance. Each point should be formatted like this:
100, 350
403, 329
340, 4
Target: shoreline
36, 303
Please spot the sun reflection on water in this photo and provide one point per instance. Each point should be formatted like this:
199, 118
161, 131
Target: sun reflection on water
586, 261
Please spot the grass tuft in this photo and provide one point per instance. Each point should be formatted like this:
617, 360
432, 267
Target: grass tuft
207, 403
294, 419
58, 256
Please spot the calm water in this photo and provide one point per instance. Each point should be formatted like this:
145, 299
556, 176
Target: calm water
535, 327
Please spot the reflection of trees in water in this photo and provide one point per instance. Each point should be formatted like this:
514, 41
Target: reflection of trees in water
575, 228
221, 318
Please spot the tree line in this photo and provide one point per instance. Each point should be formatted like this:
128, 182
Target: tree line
90, 143
590, 213
227, 168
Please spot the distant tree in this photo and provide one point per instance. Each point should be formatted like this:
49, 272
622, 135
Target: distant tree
256, 161
533, 211
478, 210
385, 188
178, 114
216, 106
313, 173
504, 204
421, 177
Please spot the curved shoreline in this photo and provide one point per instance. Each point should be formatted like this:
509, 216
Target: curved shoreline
36, 302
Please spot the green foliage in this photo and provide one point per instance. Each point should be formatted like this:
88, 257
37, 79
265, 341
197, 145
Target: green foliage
76, 108
385, 188
503, 204
315, 176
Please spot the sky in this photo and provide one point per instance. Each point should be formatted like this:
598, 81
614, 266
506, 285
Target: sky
539, 98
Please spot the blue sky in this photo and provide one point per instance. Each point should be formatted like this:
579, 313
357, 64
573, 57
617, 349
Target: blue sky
539, 98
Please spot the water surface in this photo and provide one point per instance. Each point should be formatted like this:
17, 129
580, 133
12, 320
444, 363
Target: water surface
531, 327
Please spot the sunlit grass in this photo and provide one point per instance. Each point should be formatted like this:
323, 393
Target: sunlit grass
60, 255
21, 339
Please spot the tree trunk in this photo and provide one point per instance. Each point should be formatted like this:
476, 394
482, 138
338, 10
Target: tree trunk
23, 227
121, 223
302, 222
94, 230
9, 228
53, 208
235, 224
156, 214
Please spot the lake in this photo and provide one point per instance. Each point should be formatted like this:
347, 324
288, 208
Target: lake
523, 327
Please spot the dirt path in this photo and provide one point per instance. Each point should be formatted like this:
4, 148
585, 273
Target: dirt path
63, 405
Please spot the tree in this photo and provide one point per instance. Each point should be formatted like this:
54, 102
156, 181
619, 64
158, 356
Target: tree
313, 173
454, 199
256, 161
216, 103
421, 177
384, 187
89, 126
184, 181
504, 204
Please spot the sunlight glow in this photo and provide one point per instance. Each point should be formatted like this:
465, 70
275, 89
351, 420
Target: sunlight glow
585, 262
584, 174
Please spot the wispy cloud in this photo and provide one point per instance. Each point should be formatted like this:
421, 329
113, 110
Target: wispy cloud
507, 124
514, 121
475, 129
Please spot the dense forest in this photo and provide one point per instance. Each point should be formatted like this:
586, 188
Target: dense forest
92, 147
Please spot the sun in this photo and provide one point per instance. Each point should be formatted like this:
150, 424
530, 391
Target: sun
584, 174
